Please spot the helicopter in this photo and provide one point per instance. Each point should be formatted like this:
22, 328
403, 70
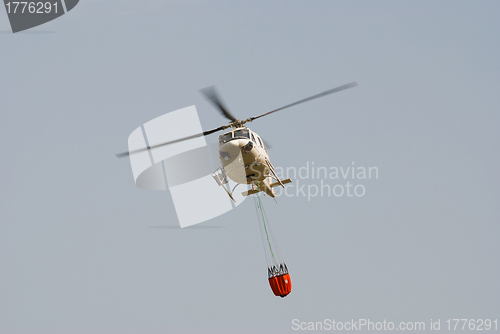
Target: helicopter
242, 147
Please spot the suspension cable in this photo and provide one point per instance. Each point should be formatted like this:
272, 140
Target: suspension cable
265, 229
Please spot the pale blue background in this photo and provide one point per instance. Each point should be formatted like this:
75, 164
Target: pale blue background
78, 253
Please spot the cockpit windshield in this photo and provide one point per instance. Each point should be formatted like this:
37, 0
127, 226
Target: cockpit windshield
244, 133
225, 137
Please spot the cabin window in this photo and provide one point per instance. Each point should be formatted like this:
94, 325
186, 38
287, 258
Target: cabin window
225, 137
260, 141
244, 133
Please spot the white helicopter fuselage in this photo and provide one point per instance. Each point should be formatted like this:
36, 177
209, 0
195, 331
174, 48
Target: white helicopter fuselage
245, 160
241, 147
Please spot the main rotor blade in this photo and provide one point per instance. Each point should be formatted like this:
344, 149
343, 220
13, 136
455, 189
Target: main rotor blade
331, 91
206, 133
211, 94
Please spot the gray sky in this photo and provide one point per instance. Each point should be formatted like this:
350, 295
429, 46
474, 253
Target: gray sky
79, 251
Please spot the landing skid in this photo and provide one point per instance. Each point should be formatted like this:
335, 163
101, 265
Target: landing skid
221, 178
272, 185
